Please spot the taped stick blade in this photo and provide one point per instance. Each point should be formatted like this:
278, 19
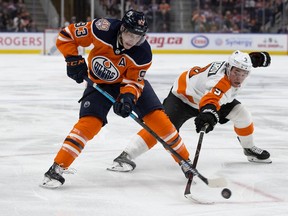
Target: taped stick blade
217, 182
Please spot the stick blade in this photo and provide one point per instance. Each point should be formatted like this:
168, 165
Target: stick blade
198, 200
217, 182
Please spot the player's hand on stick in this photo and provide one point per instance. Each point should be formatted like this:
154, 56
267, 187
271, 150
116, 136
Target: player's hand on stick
124, 104
208, 115
76, 68
260, 59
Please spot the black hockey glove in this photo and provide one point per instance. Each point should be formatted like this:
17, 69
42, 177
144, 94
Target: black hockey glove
208, 115
260, 59
124, 104
76, 68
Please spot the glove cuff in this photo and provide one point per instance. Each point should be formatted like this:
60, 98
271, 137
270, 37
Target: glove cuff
73, 58
212, 110
265, 63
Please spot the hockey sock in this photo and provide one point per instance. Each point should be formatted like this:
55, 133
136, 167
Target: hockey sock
245, 136
137, 146
159, 122
243, 125
84, 130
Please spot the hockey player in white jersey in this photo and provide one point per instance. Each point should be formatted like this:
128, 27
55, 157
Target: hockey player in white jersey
208, 94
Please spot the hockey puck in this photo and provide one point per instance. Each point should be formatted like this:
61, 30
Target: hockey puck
226, 193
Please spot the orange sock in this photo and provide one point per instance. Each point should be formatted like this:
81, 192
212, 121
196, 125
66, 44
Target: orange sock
159, 122
148, 138
84, 130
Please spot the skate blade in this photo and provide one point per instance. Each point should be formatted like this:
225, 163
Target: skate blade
255, 160
50, 183
116, 167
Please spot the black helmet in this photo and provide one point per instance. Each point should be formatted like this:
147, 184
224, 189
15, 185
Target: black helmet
135, 22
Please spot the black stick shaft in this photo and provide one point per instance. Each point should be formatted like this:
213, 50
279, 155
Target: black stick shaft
195, 161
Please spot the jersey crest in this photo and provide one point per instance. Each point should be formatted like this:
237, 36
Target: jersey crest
104, 69
103, 24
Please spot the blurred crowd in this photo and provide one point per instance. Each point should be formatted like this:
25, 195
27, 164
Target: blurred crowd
14, 17
235, 16
211, 16
156, 11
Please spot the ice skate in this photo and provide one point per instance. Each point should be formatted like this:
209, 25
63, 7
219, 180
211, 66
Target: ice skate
257, 155
53, 177
122, 163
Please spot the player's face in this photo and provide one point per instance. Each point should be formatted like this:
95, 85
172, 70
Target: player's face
129, 39
237, 76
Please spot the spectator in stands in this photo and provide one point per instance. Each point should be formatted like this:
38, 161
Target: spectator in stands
256, 16
12, 10
228, 22
15, 17
65, 22
112, 8
24, 22
213, 28
254, 27
283, 29
32, 26
164, 9
228, 4
130, 4
16, 23
3, 22
164, 27
218, 20
88, 19
198, 21
73, 19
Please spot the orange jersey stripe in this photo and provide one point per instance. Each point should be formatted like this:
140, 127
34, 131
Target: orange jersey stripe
214, 96
182, 81
182, 85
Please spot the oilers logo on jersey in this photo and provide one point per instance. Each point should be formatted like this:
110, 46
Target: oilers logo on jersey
104, 69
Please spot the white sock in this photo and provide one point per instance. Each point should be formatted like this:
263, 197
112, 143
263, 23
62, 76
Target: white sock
136, 147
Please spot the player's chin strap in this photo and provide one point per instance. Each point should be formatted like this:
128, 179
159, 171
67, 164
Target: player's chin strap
217, 182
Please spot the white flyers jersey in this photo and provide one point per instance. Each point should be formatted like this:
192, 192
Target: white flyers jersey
207, 85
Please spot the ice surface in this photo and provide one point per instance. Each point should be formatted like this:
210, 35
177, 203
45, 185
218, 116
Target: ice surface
39, 107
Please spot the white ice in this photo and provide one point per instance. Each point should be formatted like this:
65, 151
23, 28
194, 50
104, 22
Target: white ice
39, 107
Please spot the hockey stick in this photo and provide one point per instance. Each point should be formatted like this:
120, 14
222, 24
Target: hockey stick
217, 182
187, 192
195, 161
